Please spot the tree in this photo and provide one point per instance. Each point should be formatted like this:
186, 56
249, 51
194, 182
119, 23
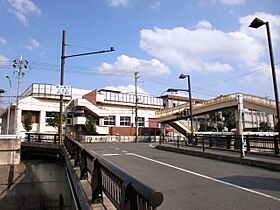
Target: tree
54, 121
229, 116
264, 127
203, 126
90, 124
27, 122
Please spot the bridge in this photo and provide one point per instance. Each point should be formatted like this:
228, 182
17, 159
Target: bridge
138, 176
173, 115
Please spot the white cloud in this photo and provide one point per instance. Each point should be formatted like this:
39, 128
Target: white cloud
126, 65
260, 33
233, 2
154, 4
22, 8
204, 24
3, 59
126, 89
203, 49
33, 44
118, 3
3, 40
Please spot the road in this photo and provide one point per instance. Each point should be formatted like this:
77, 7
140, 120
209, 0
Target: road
189, 182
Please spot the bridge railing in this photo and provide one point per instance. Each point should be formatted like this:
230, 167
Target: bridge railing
124, 191
221, 99
42, 137
253, 143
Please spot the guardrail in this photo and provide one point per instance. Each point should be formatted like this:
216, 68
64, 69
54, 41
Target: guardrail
252, 143
124, 191
42, 137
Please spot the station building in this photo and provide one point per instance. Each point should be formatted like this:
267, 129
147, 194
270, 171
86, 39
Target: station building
113, 112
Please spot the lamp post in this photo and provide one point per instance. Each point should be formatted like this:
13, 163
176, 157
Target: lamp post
183, 76
256, 23
9, 110
63, 57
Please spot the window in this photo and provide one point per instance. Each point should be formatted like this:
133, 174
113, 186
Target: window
69, 119
125, 121
50, 115
110, 120
35, 116
141, 121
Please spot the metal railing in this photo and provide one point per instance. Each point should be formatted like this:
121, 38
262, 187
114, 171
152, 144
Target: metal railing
41, 137
219, 100
253, 143
124, 191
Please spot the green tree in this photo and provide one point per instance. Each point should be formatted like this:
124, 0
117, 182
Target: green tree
228, 114
220, 127
203, 126
90, 124
54, 121
27, 122
264, 127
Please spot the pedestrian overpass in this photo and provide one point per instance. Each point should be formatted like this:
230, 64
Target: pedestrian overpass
172, 116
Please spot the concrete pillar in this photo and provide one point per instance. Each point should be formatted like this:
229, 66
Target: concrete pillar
42, 123
238, 122
18, 124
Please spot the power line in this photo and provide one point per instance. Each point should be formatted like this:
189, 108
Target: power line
238, 76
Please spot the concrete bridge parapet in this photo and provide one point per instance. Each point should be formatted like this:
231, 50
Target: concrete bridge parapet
10, 149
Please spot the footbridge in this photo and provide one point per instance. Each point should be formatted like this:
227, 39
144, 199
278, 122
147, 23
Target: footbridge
174, 114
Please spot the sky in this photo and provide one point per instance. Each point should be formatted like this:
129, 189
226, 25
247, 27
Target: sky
207, 39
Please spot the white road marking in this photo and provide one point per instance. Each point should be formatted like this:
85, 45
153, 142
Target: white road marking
124, 151
110, 155
117, 148
207, 177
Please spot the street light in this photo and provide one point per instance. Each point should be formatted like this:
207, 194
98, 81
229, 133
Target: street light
9, 110
183, 76
256, 23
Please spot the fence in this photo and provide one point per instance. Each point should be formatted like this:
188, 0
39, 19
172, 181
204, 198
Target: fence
42, 137
96, 139
252, 143
124, 191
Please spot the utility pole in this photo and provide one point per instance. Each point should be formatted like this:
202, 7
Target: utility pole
136, 77
10, 104
63, 57
61, 83
19, 65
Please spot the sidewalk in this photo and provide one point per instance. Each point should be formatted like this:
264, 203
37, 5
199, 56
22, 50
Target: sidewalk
263, 161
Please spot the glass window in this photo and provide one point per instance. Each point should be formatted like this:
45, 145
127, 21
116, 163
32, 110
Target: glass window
110, 120
35, 116
141, 121
125, 121
50, 115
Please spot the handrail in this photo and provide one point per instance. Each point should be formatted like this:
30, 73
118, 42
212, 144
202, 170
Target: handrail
221, 99
41, 137
124, 191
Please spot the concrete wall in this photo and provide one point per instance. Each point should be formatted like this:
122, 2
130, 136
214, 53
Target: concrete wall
9, 149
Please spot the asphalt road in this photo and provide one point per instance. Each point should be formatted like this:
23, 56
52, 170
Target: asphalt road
189, 182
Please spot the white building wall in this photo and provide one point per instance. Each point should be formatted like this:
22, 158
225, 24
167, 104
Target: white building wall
129, 111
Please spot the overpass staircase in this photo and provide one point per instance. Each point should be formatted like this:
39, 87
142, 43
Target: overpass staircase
181, 127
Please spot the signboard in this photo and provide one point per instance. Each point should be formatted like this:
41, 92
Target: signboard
62, 90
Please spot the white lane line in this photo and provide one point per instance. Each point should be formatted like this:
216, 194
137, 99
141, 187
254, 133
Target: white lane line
124, 151
110, 155
117, 148
207, 177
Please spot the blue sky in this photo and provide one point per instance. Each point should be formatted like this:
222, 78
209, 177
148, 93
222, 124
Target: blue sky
209, 40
